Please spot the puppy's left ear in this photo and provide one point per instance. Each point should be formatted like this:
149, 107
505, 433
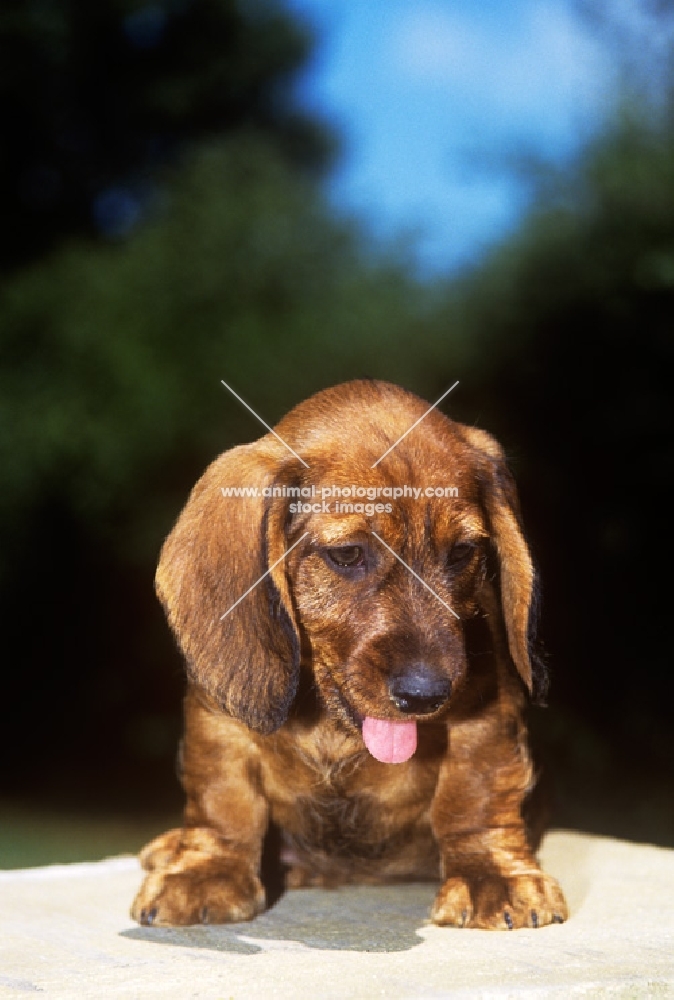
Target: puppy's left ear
519, 594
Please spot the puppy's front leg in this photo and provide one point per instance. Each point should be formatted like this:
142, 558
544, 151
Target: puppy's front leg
209, 871
492, 879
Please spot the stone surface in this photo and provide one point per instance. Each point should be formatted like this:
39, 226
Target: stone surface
65, 932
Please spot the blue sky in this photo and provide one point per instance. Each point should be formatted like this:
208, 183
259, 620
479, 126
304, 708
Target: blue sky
436, 99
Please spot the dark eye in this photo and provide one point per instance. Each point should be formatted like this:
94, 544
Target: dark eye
346, 557
460, 555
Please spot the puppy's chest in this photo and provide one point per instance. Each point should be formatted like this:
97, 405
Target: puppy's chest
329, 794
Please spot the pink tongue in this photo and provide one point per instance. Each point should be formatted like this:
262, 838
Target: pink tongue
390, 742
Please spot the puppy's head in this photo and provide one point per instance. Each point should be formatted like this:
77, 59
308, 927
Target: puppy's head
371, 572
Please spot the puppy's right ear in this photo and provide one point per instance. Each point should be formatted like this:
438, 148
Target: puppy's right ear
517, 574
248, 660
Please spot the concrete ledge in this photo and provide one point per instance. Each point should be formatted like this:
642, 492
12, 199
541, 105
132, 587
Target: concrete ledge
65, 932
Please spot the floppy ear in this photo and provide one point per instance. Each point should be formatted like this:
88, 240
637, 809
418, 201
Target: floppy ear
519, 592
248, 660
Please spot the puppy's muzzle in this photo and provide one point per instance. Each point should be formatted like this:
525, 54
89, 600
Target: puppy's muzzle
419, 689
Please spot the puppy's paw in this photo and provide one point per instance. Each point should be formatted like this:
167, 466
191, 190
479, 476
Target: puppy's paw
500, 903
194, 878
197, 897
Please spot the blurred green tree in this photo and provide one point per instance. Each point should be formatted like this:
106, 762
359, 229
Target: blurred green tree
96, 97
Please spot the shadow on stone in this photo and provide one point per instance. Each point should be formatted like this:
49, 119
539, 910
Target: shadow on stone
216, 938
357, 918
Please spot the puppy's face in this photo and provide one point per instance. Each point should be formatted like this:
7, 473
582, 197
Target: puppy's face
383, 585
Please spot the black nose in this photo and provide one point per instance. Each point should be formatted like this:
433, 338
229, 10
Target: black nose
419, 689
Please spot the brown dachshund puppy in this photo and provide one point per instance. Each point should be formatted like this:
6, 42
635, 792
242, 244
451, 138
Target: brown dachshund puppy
366, 694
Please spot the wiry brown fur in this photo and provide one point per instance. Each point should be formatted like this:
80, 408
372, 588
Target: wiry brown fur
278, 689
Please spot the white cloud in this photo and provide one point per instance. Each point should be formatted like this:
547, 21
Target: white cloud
540, 56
